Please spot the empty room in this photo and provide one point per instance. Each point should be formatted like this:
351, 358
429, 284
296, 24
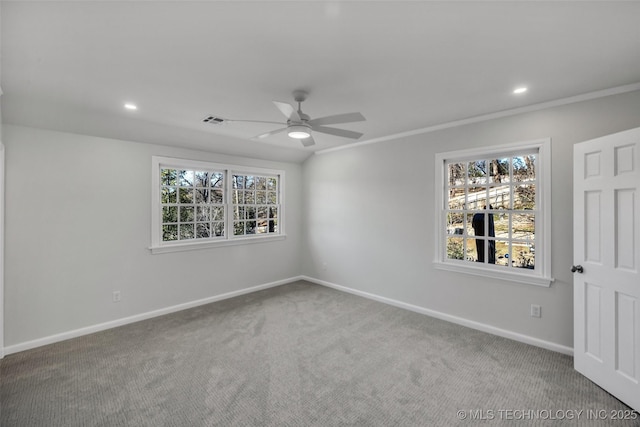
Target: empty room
319, 213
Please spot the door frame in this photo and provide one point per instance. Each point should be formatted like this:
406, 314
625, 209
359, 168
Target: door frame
1, 250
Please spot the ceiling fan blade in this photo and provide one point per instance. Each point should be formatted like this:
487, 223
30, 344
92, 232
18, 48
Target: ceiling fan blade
308, 142
338, 132
288, 111
254, 121
268, 134
338, 118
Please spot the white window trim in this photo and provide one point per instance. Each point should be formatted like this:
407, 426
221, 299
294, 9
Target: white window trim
158, 246
539, 277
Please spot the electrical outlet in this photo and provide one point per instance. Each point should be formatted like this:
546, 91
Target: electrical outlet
536, 310
116, 296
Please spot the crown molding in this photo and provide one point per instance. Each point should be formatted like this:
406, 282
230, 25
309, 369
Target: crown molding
491, 116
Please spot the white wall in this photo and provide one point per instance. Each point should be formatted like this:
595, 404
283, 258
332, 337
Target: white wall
78, 227
78, 212
369, 215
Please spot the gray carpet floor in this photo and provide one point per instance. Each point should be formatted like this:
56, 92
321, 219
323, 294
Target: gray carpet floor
297, 355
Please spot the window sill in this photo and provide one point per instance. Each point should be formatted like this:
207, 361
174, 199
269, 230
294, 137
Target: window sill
512, 276
191, 246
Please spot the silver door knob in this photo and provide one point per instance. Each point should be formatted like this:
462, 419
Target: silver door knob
577, 269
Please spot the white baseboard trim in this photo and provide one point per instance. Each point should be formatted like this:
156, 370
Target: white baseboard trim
155, 313
450, 318
138, 317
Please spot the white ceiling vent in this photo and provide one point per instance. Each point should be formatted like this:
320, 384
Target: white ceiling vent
213, 120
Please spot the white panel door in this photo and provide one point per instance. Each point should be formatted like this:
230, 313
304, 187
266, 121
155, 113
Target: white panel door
606, 282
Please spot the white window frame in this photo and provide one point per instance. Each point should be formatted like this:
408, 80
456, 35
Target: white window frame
541, 275
158, 246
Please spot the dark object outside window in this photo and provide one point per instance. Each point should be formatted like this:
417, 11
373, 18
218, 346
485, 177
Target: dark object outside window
479, 230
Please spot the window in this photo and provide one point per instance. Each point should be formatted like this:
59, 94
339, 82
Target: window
192, 204
493, 212
199, 204
255, 204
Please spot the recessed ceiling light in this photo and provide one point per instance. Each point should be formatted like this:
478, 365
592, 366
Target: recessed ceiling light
130, 106
520, 90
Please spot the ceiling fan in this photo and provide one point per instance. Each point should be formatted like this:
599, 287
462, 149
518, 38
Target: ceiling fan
300, 126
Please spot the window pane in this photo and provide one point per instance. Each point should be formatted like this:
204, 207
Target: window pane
186, 231
476, 198
501, 225
455, 248
217, 213
249, 197
186, 213
524, 168
169, 195
203, 213
168, 177
499, 170
474, 246
261, 197
524, 227
202, 230
169, 233
477, 172
271, 198
169, 214
217, 180
272, 183
456, 174
249, 183
261, 183
238, 212
251, 212
523, 256
238, 228
273, 226
455, 224
456, 198
469, 224
202, 179
238, 181
262, 227
273, 212
251, 227
217, 196
218, 229
185, 178
202, 195
502, 253
525, 197
185, 195
263, 212
500, 197
476, 222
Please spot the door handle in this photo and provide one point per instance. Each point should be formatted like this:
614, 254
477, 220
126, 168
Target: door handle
577, 269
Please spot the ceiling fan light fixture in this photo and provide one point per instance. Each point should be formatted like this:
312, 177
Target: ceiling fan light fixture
299, 132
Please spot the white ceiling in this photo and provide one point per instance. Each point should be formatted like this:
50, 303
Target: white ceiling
404, 65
